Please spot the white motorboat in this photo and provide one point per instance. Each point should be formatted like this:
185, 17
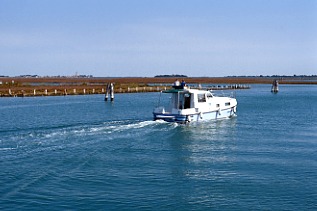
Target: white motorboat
189, 105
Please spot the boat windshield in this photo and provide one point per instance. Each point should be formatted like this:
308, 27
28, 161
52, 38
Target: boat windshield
165, 101
175, 100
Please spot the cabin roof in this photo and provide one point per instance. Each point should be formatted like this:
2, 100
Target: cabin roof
174, 90
184, 91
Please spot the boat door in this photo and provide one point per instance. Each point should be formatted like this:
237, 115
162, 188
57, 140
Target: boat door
184, 100
187, 100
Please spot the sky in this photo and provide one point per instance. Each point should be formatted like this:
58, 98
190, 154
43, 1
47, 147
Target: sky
144, 38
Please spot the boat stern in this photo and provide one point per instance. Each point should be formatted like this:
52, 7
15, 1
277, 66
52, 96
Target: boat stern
171, 117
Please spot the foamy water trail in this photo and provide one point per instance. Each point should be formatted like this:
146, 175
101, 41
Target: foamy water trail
70, 134
66, 135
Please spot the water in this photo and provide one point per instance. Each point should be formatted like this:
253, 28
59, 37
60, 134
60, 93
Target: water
79, 152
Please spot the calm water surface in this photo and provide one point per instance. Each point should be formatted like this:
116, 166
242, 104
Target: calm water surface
79, 152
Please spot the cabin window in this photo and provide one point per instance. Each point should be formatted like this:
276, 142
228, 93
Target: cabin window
209, 95
201, 98
227, 104
217, 105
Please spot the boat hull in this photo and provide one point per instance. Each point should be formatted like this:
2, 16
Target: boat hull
195, 117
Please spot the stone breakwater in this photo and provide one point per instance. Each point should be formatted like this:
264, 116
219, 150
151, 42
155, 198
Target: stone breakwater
58, 91
30, 92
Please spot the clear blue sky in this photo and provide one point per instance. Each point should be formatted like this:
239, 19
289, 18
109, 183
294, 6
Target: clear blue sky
150, 37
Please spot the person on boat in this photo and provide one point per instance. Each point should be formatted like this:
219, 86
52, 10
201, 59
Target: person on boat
177, 84
183, 84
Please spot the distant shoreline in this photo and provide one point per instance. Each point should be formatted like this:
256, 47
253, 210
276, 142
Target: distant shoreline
56, 86
228, 79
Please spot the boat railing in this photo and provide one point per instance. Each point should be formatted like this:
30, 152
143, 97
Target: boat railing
222, 93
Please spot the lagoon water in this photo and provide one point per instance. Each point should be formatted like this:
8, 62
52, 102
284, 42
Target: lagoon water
81, 153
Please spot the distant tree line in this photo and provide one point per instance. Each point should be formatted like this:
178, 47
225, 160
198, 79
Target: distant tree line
58, 76
171, 76
273, 76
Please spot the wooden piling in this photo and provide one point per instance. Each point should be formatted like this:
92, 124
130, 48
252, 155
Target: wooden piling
274, 88
110, 90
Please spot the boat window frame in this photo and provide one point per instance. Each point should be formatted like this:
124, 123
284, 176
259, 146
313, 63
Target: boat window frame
201, 97
180, 104
209, 95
